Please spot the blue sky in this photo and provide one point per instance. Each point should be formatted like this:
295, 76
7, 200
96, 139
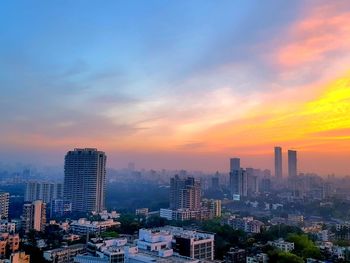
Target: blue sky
132, 76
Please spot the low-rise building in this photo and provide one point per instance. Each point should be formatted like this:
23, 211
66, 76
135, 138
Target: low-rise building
235, 255
64, 254
83, 226
8, 243
246, 224
282, 245
7, 227
17, 257
189, 243
142, 211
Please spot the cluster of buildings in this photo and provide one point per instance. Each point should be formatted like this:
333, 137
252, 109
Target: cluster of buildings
249, 181
186, 201
246, 224
166, 244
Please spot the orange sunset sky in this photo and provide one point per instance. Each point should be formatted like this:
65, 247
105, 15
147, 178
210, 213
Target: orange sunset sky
184, 84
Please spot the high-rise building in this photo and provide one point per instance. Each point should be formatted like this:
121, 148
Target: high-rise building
4, 205
43, 191
292, 164
278, 162
238, 183
34, 216
60, 207
235, 164
252, 181
215, 182
85, 179
185, 193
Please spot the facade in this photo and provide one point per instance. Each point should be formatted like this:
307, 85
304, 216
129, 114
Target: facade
141, 211
85, 179
185, 193
278, 162
239, 183
282, 245
214, 207
235, 164
34, 216
43, 191
4, 205
215, 182
64, 254
235, 255
292, 164
188, 243
132, 254
60, 207
83, 226
8, 243
252, 181
7, 227
246, 224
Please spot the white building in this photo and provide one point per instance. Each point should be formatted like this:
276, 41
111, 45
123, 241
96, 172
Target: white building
191, 243
83, 226
282, 245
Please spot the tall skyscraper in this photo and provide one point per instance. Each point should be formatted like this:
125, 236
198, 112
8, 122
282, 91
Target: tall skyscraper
235, 164
34, 216
278, 162
4, 205
85, 179
185, 193
292, 164
43, 191
239, 182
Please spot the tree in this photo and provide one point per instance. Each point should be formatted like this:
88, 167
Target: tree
304, 247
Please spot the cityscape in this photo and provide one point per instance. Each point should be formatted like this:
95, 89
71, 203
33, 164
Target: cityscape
175, 131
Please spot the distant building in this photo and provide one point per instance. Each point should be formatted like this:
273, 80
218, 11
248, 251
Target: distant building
83, 226
278, 162
60, 207
252, 182
282, 245
118, 250
235, 255
4, 205
239, 183
85, 179
246, 224
34, 216
188, 243
292, 164
7, 227
8, 243
141, 211
185, 193
258, 258
64, 254
215, 182
19, 257
214, 207
235, 164
43, 191
265, 185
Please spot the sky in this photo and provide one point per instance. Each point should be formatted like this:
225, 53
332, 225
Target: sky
176, 84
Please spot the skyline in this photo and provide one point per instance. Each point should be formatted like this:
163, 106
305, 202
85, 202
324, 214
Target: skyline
177, 85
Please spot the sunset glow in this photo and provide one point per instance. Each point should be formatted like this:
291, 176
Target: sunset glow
211, 84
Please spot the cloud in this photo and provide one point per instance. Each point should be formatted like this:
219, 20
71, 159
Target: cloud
323, 31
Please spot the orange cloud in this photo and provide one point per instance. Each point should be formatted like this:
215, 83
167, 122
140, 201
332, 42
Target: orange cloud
323, 31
